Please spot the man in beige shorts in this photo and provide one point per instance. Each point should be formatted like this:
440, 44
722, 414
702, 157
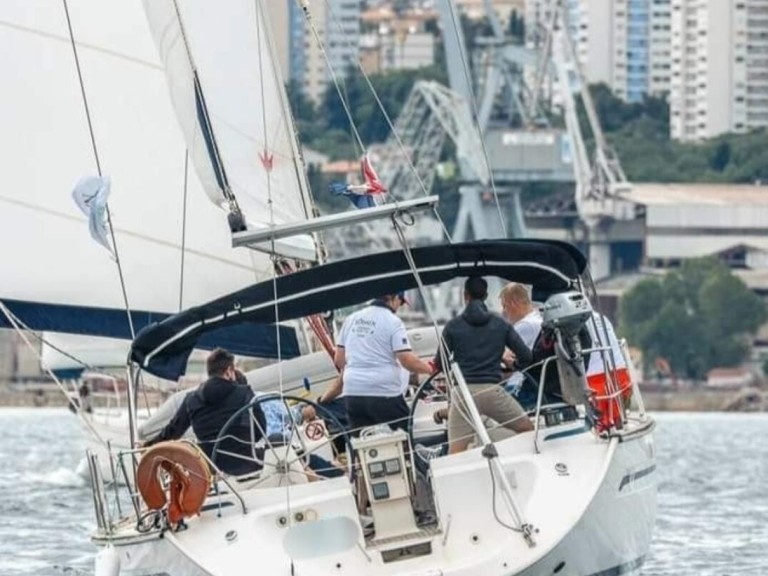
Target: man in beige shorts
477, 339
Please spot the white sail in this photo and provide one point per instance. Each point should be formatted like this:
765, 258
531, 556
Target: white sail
75, 353
47, 254
230, 101
71, 352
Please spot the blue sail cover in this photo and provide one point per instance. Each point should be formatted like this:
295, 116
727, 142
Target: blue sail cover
546, 265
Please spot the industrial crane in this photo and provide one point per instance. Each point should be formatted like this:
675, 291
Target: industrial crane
601, 184
500, 111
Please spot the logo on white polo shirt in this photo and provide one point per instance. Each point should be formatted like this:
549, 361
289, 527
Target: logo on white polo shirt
363, 327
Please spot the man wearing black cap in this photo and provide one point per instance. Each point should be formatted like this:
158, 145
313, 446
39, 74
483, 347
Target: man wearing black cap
372, 349
477, 339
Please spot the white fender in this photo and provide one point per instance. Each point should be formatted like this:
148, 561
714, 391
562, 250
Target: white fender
107, 562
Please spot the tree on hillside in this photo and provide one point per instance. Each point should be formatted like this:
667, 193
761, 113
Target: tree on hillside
721, 156
640, 134
697, 318
302, 107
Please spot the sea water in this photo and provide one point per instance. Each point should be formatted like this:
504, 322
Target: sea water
712, 519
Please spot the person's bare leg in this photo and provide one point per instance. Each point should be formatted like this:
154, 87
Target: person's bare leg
495, 403
458, 446
460, 431
523, 424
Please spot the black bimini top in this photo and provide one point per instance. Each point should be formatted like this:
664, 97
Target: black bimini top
163, 348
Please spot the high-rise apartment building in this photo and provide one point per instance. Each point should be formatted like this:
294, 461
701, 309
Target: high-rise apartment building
659, 47
720, 67
622, 43
475, 9
393, 40
642, 32
337, 23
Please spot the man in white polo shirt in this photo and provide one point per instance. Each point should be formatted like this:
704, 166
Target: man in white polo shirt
519, 310
372, 349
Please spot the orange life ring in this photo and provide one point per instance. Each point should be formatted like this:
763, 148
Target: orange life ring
190, 479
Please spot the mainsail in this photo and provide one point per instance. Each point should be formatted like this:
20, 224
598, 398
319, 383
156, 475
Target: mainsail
173, 244
230, 101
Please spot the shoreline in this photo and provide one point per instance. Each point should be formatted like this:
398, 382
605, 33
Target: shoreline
46, 396
706, 400
685, 400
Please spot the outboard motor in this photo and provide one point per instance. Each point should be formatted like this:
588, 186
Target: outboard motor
566, 315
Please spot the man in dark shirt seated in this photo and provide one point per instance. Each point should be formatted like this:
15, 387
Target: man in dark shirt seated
477, 339
210, 407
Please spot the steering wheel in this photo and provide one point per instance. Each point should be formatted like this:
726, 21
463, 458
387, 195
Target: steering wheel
257, 401
421, 392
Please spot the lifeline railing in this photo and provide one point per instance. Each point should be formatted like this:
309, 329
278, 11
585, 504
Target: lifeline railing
615, 391
104, 519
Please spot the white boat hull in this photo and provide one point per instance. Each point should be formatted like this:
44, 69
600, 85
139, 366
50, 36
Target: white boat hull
614, 534
592, 502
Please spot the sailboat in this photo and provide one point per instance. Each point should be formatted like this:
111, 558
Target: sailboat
568, 498
565, 498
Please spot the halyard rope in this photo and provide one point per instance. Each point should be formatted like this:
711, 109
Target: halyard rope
270, 204
98, 168
17, 325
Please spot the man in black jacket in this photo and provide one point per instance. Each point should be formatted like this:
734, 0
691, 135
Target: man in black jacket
210, 407
477, 339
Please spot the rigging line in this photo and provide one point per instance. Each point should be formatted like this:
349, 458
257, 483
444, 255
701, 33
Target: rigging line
280, 363
275, 264
389, 122
476, 116
183, 230
42, 340
11, 316
422, 290
63, 352
98, 167
304, 5
442, 350
267, 165
299, 165
20, 330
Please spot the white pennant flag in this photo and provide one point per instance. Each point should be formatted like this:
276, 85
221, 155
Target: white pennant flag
90, 195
